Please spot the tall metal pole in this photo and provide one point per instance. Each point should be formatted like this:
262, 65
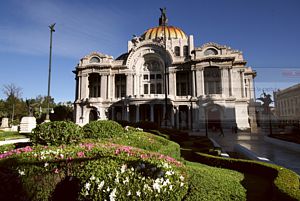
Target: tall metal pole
49, 73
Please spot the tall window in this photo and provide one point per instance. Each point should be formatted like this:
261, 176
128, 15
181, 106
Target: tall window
185, 51
94, 85
177, 51
152, 75
120, 83
212, 80
182, 83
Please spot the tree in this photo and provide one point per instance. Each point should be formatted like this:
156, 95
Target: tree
14, 105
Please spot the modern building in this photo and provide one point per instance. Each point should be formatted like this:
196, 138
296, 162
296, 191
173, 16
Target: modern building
163, 78
287, 104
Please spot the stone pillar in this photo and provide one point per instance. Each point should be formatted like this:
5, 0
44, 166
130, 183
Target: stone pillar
177, 117
193, 88
152, 112
104, 86
109, 87
172, 80
137, 113
230, 80
189, 118
85, 86
242, 83
172, 117
129, 84
112, 83
225, 89
112, 113
200, 82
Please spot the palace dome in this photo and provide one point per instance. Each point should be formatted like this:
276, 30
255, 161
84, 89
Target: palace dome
157, 32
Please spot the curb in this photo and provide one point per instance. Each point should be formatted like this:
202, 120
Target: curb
250, 154
14, 141
289, 145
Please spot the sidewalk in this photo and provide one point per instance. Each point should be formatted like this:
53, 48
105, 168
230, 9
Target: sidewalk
255, 142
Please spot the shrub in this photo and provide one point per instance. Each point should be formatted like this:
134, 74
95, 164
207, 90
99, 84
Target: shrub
56, 133
6, 147
281, 176
97, 171
102, 129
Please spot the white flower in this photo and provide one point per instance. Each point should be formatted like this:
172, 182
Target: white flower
126, 180
171, 187
129, 193
21, 172
156, 186
166, 182
138, 193
117, 180
46, 164
169, 173
112, 195
123, 168
100, 186
108, 189
92, 178
97, 180
87, 186
181, 184
181, 178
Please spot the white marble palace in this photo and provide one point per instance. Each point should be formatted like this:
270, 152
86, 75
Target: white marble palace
163, 78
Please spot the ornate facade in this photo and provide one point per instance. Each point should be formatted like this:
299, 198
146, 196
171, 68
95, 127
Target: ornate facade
208, 86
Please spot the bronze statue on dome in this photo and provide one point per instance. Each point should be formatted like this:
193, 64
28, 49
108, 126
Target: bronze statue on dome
163, 20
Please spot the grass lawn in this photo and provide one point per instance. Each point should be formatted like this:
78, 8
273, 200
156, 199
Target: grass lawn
9, 135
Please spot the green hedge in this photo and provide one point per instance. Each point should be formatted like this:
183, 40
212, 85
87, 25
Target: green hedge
286, 182
90, 172
56, 133
102, 129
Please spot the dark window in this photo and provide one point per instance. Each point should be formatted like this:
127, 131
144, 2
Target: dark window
95, 60
145, 88
185, 51
158, 76
145, 77
152, 77
152, 88
177, 51
212, 80
94, 85
159, 91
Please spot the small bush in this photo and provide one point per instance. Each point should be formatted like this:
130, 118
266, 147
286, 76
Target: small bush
56, 133
6, 147
103, 129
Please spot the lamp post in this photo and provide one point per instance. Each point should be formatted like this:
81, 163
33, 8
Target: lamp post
49, 73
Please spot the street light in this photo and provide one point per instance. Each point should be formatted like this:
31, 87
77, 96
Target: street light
49, 74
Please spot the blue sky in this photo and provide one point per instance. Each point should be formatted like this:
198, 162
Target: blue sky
267, 32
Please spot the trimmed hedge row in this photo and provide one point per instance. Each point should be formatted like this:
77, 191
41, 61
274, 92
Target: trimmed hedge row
286, 182
102, 129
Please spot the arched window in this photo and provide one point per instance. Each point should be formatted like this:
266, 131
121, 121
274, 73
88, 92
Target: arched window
210, 51
212, 80
94, 60
185, 51
177, 51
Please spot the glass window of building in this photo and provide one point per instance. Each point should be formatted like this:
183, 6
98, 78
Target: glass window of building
177, 51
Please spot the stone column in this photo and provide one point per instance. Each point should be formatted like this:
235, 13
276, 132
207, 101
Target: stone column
189, 118
225, 89
172, 85
129, 84
200, 82
193, 88
177, 117
152, 112
230, 80
104, 86
137, 113
242, 83
109, 87
85, 86
79, 87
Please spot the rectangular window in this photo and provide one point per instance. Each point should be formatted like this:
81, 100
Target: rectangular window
158, 88
145, 88
152, 76
145, 77
158, 76
152, 88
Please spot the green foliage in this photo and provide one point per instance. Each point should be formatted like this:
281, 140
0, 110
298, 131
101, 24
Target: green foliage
6, 147
102, 129
209, 183
56, 133
280, 176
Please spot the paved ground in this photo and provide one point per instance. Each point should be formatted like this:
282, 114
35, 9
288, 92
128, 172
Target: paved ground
255, 143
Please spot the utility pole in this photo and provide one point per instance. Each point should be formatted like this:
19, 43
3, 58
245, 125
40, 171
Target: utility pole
49, 73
